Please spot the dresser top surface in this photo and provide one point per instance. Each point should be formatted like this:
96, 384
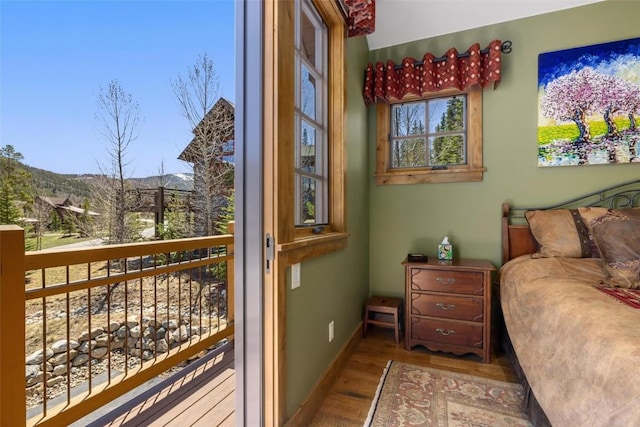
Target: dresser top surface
461, 263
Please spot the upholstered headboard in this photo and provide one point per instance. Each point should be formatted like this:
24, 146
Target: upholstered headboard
516, 236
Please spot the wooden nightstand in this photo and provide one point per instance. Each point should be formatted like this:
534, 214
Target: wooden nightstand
448, 306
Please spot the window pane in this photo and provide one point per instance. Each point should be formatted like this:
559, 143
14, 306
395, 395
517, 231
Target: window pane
446, 114
446, 150
407, 153
308, 39
408, 119
307, 200
308, 93
308, 147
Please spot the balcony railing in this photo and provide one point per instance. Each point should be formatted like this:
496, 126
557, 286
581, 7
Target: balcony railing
111, 316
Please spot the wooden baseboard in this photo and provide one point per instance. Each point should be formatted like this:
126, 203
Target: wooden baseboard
311, 404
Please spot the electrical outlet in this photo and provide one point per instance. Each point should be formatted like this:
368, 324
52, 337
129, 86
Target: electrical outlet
295, 276
331, 331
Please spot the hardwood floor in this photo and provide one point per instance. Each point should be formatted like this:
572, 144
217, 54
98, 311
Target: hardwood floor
350, 397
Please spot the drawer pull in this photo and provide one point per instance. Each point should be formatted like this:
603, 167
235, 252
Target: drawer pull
445, 280
445, 331
445, 306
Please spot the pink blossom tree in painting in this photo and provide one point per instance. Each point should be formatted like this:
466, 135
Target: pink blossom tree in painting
589, 99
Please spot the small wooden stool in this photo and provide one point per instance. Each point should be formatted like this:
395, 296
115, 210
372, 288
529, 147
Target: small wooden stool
384, 305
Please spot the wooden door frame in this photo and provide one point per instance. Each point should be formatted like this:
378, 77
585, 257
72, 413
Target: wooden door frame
276, 27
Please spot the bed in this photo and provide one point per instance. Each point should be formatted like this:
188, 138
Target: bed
571, 307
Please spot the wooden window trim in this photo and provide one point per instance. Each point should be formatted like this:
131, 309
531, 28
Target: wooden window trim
471, 172
302, 241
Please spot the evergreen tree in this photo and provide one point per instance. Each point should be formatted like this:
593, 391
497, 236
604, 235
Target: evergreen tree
449, 149
14, 186
178, 221
227, 214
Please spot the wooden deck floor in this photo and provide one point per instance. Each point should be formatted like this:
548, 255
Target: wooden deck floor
203, 394
351, 395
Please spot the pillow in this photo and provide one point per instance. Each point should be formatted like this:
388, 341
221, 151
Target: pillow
617, 235
559, 233
588, 216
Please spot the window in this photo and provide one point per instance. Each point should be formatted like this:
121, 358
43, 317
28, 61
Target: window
436, 139
304, 120
311, 167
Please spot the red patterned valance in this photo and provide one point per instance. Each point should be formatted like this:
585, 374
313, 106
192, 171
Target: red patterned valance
389, 83
361, 17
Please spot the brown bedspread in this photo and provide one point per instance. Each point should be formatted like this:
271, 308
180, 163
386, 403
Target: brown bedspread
579, 348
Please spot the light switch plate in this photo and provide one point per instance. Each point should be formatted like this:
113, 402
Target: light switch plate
295, 276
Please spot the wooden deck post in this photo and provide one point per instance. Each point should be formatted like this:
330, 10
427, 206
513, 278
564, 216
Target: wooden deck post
13, 410
231, 228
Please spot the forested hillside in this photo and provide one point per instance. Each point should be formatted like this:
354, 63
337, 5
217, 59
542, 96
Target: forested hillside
52, 184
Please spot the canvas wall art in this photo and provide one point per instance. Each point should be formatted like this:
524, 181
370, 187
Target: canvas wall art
589, 105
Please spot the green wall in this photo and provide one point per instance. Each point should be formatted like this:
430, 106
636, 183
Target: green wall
407, 218
334, 287
386, 222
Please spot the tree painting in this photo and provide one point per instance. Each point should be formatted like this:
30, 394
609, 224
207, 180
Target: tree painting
589, 105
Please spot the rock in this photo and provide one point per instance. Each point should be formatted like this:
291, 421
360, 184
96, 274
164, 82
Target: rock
131, 343
135, 332
87, 346
161, 346
59, 370
132, 321
80, 359
149, 332
170, 338
147, 355
55, 380
161, 333
94, 333
181, 334
146, 342
61, 358
122, 332
37, 356
171, 325
103, 340
61, 346
113, 326
117, 343
31, 371
38, 378
48, 366
99, 353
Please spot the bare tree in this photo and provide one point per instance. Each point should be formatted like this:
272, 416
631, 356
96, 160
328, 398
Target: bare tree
211, 119
118, 119
161, 179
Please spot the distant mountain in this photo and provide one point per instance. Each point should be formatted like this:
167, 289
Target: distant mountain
179, 181
78, 187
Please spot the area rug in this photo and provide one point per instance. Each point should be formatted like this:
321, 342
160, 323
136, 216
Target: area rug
410, 395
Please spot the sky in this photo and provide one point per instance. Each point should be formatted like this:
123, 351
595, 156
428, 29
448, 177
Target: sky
55, 56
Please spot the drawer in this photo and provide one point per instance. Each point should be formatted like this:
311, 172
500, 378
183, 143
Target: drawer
448, 306
457, 282
446, 331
